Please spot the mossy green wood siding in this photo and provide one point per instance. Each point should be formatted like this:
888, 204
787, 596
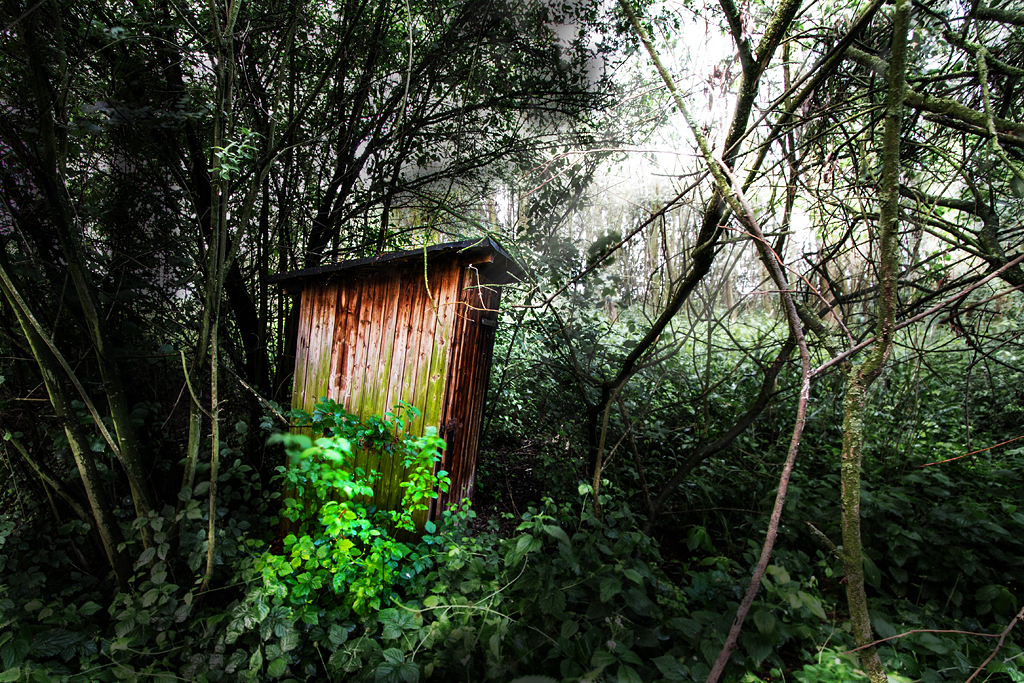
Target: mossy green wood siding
372, 337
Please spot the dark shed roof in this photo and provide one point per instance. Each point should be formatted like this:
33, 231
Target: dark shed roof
477, 250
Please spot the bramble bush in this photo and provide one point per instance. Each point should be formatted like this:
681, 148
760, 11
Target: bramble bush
352, 557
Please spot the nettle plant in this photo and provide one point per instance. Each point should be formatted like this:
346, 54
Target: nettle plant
346, 545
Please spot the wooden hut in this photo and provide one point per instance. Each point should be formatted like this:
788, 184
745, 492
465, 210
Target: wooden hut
416, 326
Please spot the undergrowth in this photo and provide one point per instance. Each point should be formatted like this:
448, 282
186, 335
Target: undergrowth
348, 590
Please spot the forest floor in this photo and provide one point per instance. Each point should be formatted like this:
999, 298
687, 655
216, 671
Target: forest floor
507, 483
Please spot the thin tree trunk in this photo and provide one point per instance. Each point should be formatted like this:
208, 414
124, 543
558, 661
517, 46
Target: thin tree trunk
859, 378
50, 175
102, 513
218, 257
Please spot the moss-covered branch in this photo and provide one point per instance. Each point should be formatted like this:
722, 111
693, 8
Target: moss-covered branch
1010, 132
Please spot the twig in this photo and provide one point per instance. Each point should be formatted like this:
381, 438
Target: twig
980, 450
826, 540
999, 645
925, 630
259, 398
184, 367
924, 314
717, 509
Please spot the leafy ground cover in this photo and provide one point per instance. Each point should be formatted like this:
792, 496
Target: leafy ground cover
531, 584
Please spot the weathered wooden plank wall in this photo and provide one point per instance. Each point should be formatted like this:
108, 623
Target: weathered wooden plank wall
372, 338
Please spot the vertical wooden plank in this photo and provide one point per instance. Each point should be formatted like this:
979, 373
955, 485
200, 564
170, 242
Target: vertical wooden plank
357, 337
443, 362
321, 335
424, 344
440, 352
368, 341
315, 292
344, 353
388, 322
399, 375
334, 381
394, 381
302, 346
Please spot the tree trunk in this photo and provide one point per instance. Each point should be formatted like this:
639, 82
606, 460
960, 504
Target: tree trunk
859, 378
50, 370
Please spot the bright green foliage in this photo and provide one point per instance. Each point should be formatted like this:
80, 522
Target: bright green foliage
570, 596
346, 546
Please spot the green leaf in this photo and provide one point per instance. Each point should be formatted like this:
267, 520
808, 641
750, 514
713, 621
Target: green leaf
159, 573
871, 573
54, 641
627, 674
90, 608
277, 667
410, 672
672, 669
256, 660
931, 642
14, 674
989, 592
150, 597
289, 641
633, 575
757, 646
602, 659
765, 622
1017, 187
534, 679
610, 587
780, 573
523, 543
812, 604
557, 532
882, 627
337, 635
569, 629
395, 621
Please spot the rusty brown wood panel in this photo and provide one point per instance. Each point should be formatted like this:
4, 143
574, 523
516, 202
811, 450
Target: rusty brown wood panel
320, 343
368, 342
390, 315
343, 348
410, 311
483, 355
302, 348
467, 384
451, 415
